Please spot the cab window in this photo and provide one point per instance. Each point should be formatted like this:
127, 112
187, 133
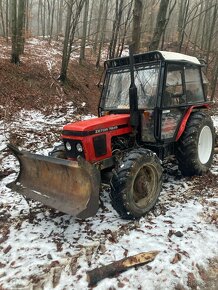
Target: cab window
173, 92
194, 90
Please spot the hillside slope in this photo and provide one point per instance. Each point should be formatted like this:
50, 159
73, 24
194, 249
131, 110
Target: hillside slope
34, 83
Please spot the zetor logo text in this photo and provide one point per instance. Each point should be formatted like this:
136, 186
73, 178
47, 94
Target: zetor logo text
106, 129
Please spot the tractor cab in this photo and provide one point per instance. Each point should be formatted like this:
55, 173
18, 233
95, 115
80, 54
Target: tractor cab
168, 85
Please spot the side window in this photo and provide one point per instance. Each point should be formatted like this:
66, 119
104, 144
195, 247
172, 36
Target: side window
194, 90
173, 92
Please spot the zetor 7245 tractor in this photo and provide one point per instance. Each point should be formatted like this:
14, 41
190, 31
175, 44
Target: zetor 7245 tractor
152, 105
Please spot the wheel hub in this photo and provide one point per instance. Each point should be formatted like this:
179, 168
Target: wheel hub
144, 186
205, 143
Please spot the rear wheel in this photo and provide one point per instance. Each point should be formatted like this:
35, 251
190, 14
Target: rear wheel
196, 146
136, 184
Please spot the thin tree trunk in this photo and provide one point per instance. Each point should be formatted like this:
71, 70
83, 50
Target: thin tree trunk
210, 39
64, 65
85, 24
14, 55
69, 36
98, 27
160, 25
136, 31
52, 21
116, 28
215, 78
2, 18
90, 20
20, 26
7, 20
126, 26
60, 18
167, 21
183, 26
102, 35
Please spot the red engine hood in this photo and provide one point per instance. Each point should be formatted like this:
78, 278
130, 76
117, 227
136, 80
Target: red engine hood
101, 124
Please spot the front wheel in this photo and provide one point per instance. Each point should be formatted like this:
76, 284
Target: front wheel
195, 148
136, 184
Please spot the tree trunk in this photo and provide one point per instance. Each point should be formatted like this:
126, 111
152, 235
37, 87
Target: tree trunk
116, 28
110, 270
126, 26
17, 15
85, 25
7, 20
214, 79
102, 35
160, 25
98, 27
136, 31
15, 53
210, 33
60, 18
69, 35
63, 74
90, 20
184, 23
52, 21
20, 26
2, 19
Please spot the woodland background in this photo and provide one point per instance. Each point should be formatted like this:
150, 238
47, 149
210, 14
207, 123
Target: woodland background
99, 29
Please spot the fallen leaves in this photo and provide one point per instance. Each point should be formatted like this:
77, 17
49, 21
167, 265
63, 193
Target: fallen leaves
176, 258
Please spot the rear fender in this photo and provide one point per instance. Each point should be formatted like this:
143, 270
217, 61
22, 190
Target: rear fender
185, 119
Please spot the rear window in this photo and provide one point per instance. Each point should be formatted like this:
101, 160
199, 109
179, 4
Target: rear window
194, 90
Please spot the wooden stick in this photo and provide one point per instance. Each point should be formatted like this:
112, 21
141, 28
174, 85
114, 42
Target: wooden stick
116, 267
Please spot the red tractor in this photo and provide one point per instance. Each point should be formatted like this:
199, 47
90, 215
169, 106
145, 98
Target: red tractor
152, 105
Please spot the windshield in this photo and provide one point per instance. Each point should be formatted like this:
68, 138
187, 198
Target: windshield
116, 90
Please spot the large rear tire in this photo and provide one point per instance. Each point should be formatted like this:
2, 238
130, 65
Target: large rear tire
195, 148
136, 184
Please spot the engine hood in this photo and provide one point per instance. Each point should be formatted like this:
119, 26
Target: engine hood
97, 125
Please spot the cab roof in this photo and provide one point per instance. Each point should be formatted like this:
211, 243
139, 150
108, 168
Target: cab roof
152, 56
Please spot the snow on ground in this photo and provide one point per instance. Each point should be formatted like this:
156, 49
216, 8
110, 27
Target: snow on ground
41, 52
45, 249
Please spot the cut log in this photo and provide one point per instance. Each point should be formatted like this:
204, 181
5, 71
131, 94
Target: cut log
116, 267
216, 150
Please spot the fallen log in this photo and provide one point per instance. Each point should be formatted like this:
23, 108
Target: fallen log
110, 270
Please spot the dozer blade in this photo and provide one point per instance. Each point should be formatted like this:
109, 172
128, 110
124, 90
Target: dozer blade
69, 186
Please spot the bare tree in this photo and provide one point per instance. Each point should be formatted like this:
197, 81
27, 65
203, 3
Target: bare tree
73, 14
85, 26
160, 25
136, 30
17, 12
116, 27
2, 19
104, 22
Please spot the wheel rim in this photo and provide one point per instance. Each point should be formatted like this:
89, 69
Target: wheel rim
144, 186
205, 144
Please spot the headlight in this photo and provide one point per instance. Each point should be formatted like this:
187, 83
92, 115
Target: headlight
68, 146
79, 147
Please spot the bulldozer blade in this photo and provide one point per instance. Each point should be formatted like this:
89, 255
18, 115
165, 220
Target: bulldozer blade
71, 187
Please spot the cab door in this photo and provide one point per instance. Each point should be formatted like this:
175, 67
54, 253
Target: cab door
173, 101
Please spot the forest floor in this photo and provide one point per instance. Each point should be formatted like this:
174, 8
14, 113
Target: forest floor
41, 248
